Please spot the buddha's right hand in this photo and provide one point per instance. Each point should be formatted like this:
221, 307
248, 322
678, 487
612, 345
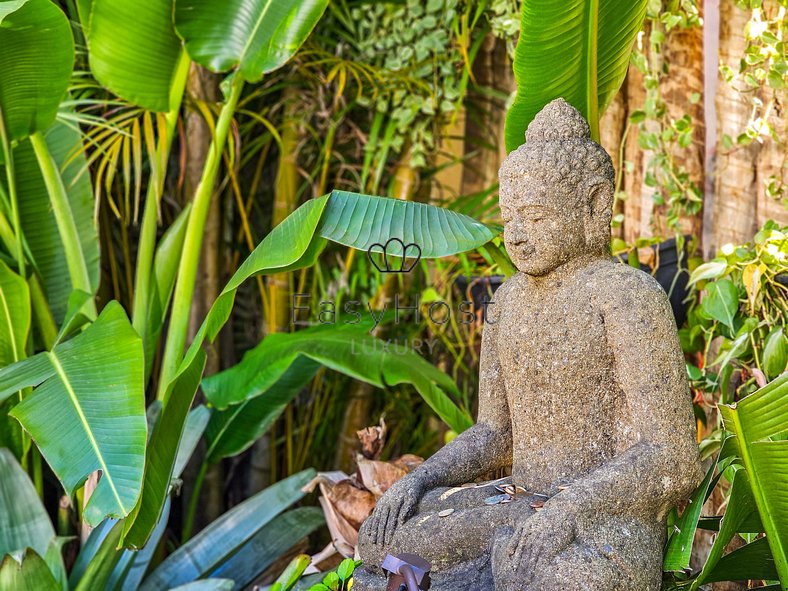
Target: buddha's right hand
395, 506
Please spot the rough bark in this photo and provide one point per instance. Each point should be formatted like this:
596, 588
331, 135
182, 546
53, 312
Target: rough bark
683, 55
485, 147
203, 86
736, 188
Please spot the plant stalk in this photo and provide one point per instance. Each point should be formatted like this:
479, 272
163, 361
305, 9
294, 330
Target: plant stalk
11, 177
67, 227
192, 244
147, 242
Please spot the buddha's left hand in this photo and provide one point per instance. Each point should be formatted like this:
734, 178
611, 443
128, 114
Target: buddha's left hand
542, 536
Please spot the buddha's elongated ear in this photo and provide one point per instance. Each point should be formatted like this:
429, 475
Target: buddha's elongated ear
598, 213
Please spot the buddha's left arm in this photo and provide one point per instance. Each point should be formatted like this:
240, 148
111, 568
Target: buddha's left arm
660, 467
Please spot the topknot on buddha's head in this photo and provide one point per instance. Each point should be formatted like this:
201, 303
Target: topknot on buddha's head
558, 121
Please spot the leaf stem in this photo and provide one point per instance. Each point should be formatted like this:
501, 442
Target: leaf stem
192, 243
11, 177
150, 218
66, 225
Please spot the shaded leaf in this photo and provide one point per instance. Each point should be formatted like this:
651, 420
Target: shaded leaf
24, 522
223, 537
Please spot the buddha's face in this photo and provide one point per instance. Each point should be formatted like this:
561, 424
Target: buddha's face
541, 230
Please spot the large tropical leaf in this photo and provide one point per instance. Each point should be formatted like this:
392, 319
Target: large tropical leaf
754, 420
575, 49
14, 328
24, 522
252, 36
36, 62
38, 220
270, 375
355, 220
222, 538
134, 51
83, 419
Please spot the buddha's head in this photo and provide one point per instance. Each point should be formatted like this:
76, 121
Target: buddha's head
556, 192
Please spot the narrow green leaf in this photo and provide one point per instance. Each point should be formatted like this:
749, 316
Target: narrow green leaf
104, 412
15, 316
741, 505
101, 566
272, 373
162, 453
751, 562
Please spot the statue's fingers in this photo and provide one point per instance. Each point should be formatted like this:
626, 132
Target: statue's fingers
382, 524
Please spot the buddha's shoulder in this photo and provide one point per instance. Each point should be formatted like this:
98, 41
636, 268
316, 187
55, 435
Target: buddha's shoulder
616, 283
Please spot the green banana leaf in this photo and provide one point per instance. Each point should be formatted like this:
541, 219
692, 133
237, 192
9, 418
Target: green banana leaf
354, 220
740, 508
253, 36
14, 329
102, 564
574, 49
211, 547
134, 51
269, 544
103, 412
754, 421
38, 220
269, 376
236, 428
36, 62
24, 522
751, 562
133, 564
162, 454
32, 574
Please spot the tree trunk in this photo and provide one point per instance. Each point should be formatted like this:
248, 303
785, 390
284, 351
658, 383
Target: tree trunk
485, 117
736, 189
203, 86
683, 55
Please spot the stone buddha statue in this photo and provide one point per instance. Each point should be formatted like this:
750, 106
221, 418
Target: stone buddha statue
583, 396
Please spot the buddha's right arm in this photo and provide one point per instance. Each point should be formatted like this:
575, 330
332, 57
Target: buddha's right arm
487, 446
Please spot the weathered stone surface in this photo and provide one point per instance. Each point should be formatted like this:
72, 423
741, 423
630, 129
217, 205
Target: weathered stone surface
582, 393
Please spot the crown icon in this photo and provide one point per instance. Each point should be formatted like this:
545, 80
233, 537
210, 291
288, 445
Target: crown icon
395, 247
